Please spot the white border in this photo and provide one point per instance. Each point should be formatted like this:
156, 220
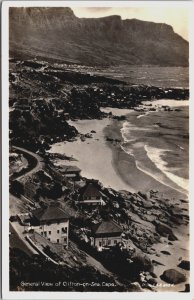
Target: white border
100, 3
5, 150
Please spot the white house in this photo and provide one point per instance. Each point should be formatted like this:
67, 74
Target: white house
105, 234
91, 194
52, 223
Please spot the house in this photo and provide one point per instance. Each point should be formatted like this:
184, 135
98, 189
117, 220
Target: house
52, 223
105, 234
70, 172
91, 194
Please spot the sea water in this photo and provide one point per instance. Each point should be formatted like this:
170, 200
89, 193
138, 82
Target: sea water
159, 143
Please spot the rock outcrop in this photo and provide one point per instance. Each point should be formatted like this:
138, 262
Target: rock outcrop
165, 231
184, 264
173, 276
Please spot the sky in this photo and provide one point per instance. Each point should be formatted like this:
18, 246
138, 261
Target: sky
177, 17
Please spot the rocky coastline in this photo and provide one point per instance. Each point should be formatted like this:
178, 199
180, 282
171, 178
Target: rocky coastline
39, 115
148, 219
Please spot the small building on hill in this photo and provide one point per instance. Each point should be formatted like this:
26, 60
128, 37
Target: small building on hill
105, 234
91, 194
52, 223
72, 172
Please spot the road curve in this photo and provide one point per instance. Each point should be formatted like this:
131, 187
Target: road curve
36, 163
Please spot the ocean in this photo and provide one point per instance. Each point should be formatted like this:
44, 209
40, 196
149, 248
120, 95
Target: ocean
158, 142
153, 153
165, 77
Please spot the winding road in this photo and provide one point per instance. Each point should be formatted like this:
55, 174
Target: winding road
35, 163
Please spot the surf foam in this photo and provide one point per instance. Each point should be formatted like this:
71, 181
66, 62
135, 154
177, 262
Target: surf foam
154, 155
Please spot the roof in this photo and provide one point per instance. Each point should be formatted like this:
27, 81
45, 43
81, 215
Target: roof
106, 227
67, 169
91, 190
49, 214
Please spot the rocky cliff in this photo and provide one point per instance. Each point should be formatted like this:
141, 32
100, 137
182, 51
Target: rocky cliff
56, 33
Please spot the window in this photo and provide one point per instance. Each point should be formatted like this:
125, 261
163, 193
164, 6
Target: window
109, 242
45, 233
58, 231
104, 243
49, 232
115, 242
64, 230
49, 239
65, 239
57, 240
41, 233
100, 244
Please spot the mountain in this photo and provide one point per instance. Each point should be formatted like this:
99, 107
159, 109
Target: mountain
56, 33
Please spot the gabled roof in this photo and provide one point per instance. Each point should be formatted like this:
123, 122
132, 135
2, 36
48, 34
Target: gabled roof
49, 214
90, 190
106, 227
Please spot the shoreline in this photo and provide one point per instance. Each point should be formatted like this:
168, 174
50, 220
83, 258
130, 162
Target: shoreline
111, 128
130, 183
119, 169
122, 162
90, 152
171, 261
114, 166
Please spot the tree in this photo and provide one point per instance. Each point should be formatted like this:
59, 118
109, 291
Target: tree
16, 188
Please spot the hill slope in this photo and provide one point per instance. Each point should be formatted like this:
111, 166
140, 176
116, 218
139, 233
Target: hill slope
56, 33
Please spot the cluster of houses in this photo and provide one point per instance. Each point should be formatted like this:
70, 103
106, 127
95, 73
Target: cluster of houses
52, 222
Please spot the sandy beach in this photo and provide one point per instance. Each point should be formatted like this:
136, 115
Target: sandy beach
129, 163
93, 156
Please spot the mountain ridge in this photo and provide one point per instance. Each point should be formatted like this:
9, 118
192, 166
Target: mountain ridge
56, 33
